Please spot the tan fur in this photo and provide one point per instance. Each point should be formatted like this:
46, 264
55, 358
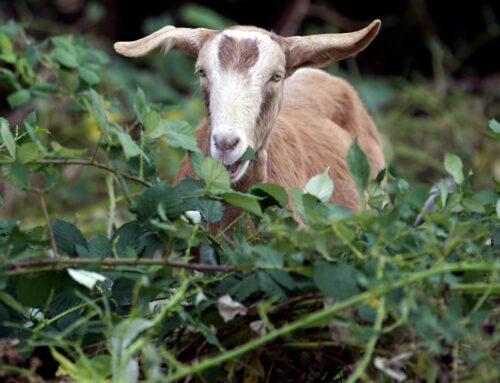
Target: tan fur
319, 118
319, 115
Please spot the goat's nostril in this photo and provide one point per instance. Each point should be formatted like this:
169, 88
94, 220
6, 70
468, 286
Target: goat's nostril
226, 145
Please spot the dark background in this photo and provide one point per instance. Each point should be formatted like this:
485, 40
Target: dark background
465, 34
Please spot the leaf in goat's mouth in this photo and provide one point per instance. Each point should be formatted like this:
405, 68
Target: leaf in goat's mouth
249, 155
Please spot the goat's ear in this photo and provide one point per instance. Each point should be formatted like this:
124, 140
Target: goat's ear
321, 50
188, 40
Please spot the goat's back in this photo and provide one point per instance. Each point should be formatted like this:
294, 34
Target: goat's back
320, 117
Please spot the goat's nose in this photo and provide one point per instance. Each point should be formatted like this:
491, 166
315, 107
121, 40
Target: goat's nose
226, 144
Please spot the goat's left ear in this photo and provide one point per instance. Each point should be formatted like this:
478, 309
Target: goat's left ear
321, 50
188, 40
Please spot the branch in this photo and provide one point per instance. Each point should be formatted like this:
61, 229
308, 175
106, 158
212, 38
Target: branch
29, 265
99, 165
53, 243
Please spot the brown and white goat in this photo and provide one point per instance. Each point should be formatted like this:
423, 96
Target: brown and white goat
259, 92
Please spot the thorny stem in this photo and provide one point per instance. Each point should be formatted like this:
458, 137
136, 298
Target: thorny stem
53, 243
27, 266
95, 164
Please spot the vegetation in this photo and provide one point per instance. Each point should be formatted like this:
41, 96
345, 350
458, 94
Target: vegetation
105, 276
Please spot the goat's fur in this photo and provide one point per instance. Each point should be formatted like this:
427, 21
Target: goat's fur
320, 115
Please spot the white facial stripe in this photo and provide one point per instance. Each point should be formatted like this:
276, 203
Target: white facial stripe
236, 97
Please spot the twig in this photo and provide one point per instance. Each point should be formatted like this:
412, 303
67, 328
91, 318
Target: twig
53, 243
99, 165
27, 266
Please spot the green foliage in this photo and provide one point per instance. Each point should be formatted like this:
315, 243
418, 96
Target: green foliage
120, 301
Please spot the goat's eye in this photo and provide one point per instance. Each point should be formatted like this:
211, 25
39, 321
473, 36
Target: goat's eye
201, 72
277, 77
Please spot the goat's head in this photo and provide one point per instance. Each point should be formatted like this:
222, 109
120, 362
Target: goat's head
241, 72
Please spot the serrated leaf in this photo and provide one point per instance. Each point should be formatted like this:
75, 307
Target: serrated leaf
7, 137
100, 246
320, 186
269, 286
179, 134
28, 152
130, 148
276, 192
159, 196
338, 281
244, 288
18, 98
215, 176
453, 165
89, 76
129, 236
358, 167
212, 211
16, 174
67, 237
246, 202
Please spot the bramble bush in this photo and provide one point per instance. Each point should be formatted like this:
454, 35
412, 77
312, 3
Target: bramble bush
364, 297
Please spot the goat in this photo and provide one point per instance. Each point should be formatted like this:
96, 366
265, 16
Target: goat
260, 91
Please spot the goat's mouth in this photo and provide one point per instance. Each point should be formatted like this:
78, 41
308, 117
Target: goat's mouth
237, 170
233, 168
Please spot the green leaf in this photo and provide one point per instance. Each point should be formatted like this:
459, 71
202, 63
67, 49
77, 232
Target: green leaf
179, 134
65, 56
247, 202
7, 137
212, 211
159, 196
473, 205
7, 53
298, 204
249, 155
95, 106
277, 193
67, 237
215, 176
16, 174
268, 285
320, 186
18, 98
130, 148
129, 236
28, 152
33, 292
100, 246
338, 281
453, 165
494, 126
358, 167
89, 76
244, 288
43, 90
66, 152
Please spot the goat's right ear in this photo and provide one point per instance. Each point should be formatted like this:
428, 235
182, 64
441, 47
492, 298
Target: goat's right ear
188, 40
